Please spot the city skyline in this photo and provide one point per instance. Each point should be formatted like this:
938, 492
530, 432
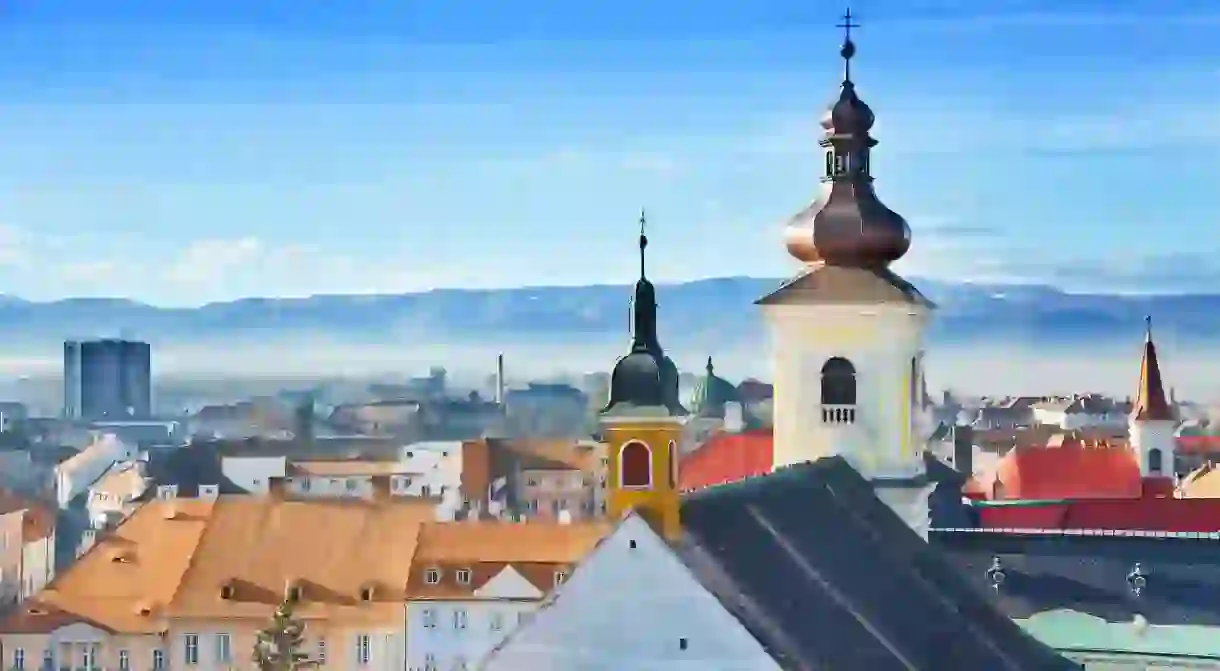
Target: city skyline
211, 151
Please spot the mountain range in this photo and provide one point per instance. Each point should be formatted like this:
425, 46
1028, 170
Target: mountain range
718, 311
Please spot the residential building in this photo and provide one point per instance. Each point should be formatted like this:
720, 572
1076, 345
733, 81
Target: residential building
535, 478
27, 548
107, 379
188, 582
115, 495
474, 582
74, 475
1082, 411
543, 410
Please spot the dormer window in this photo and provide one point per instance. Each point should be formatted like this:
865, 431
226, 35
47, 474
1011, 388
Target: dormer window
367, 592
432, 576
226, 591
560, 576
463, 576
292, 592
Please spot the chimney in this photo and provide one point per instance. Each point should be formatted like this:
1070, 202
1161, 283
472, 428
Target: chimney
564, 516
500, 379
734, 420
963, 448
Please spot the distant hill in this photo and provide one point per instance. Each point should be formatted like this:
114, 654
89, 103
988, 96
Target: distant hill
716, 310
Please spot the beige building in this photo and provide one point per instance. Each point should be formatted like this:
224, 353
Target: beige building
27, 548
187, 583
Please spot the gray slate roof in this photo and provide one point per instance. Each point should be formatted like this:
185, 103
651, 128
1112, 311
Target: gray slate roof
1089, 574
826, 576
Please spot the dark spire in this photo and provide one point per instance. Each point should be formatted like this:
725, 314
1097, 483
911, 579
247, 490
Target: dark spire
849, 47
847, 225
1150, 403
645, 377
710, 369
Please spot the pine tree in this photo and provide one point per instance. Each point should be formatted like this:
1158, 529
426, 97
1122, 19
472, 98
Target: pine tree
279, 646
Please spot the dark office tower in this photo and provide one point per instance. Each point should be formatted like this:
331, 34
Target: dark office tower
107, 379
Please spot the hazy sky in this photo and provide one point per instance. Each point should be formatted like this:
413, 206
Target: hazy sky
194, 150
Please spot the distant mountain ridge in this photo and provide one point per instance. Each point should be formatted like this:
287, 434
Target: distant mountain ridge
717, 310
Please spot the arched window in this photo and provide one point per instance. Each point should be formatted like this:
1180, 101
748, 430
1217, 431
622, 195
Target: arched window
635, 465
838, 382
673, 465
1154, 461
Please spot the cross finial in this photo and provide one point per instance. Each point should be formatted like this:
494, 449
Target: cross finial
1148, 328
849, 47
643, 240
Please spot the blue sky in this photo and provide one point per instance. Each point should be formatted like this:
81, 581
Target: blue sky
187, 151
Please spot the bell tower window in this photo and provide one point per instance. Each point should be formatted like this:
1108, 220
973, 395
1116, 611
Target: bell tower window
635, 465
1154, 461
838, 391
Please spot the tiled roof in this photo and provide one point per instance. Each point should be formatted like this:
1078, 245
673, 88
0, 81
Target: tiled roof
535, 550
346, 467
332, 549
1149, 514
1201, 483
1069, 471
1089, 574
819, 604
726, 457
125, 581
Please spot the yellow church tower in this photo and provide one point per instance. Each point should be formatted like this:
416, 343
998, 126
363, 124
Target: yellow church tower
642, 422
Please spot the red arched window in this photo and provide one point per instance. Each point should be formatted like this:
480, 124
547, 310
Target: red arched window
635, 465
673, 465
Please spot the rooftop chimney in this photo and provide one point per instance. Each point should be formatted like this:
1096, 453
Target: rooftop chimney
500, 379
734, 419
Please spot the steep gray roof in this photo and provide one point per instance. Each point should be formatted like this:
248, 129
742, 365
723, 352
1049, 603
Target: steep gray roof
826, 576
1089, 574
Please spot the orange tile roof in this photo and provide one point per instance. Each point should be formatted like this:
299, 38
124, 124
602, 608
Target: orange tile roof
476, 469
347, 467
332, 549
1067, 472
124, 582
727, 457
1201, 483
1150, 401
536, 550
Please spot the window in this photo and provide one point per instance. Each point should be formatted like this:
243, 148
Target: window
158, 660
425, 491
463, 576
1154, 461
306, 483
19, 659
429, 617
635, 465
459, 619
91, 651
432, 576
48, 660
497, 621
838, 382
682, 644
560, 576
429, 662
224, 648
190, 649
362, 649
556, 506
321, 652
531, 482
350, 484
124, 660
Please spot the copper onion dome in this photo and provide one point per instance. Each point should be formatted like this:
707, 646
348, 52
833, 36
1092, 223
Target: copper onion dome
847, 225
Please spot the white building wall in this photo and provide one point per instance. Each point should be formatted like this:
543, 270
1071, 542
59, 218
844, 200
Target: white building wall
880, 341
631, 607
1146, 436
73, 476
37, 565
463, 631
253, 474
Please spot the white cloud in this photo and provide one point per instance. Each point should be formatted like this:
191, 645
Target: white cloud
210, 261
99, 271
14, 245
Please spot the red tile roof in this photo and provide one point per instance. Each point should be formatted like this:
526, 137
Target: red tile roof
1071, 471
726, 457
1197, 444
1146, 514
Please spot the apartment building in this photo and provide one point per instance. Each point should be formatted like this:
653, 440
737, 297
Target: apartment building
536, 478
27, 548
471, 583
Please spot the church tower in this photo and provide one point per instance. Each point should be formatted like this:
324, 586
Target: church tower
847, 332
643, 420
1152, 422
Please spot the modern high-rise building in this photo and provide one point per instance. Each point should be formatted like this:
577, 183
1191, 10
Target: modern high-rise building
107, 379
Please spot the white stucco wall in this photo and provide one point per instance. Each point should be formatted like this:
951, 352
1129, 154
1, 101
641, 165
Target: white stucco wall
633, 608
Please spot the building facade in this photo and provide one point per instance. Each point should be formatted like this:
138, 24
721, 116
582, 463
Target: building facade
107, 379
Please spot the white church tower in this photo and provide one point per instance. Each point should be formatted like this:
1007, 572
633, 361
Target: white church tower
847, 332
1152, 421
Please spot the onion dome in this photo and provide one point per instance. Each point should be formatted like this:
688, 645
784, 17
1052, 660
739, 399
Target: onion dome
711, 394
645, 377
848, 225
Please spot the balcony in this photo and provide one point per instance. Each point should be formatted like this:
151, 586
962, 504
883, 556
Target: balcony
838, 414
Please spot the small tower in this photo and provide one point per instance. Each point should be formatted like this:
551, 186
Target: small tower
1152, 422
642, 422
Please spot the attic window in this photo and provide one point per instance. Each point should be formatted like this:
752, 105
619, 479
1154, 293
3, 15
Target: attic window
631, 544
144, 611
463, 576
35, 610
560, 576
366, 593
682, 644
226, 592
432, 576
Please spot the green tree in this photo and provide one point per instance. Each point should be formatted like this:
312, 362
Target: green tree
279, 646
